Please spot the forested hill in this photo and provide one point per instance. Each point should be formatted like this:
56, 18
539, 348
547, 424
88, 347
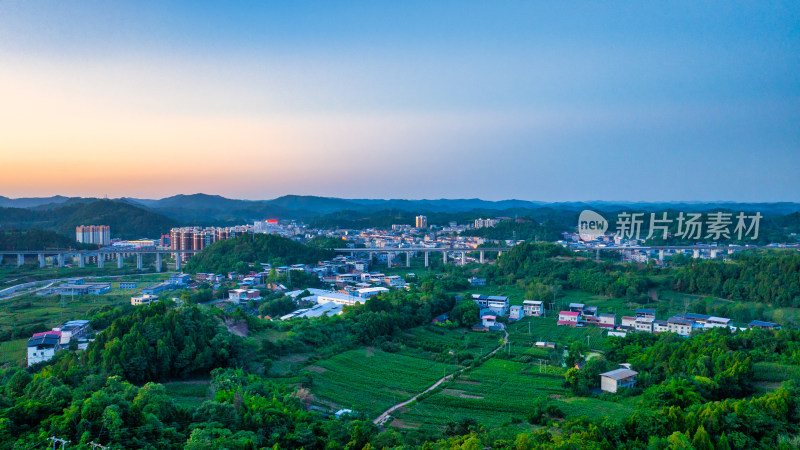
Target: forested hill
236, 254
38, 239
126, 221
770, 276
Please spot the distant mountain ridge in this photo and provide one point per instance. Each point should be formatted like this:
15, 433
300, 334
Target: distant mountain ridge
206, 209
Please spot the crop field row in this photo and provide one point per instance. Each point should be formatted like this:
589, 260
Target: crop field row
497, 393
437, 339
371, 381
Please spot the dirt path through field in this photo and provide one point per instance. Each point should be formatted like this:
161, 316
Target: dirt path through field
386, 414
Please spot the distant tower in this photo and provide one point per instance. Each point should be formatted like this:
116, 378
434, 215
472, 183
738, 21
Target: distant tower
422, 222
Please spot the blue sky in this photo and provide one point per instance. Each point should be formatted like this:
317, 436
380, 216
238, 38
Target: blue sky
547, 101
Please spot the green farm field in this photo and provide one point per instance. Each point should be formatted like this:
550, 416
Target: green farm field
500, 392
371, 381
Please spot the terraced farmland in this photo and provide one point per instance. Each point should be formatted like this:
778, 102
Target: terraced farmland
371, 381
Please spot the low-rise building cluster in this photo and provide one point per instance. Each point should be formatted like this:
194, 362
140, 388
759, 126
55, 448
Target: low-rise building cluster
645, 321
44, 345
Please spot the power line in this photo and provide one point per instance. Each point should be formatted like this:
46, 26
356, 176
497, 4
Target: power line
63, 442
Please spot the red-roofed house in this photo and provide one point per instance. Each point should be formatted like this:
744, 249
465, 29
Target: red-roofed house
569, 318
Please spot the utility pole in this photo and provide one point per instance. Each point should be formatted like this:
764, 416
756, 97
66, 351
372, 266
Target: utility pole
63, 442
96, 445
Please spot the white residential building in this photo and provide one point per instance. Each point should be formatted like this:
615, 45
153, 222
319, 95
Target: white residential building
144, 299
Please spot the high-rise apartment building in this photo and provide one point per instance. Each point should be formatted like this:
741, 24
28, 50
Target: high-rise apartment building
481, 223
93, 234
422, 222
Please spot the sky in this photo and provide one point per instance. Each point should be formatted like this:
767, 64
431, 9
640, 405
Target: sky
548, 101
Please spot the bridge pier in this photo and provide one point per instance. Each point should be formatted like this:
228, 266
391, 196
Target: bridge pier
101, 260
597, 254
41, 260
178, 262
81, 260
713, 253
426, 258
120, 261
158, 262
661, 255
481, 256
408, 259
61, 260
444, 256
500, 253
139, 261
463, 258
389, 259
20, 259
695, 253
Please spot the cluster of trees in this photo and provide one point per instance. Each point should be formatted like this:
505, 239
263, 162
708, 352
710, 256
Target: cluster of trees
160, 343
767, 276
238, 253
544, 268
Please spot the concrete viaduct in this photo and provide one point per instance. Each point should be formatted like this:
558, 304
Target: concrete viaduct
61, 257
696, 249
426, 250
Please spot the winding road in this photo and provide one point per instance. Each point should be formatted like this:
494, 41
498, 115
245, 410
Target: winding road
386, 414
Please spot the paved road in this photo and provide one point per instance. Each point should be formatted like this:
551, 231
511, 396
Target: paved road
386, 414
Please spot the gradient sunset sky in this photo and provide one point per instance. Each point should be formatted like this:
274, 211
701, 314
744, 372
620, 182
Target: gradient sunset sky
547, 101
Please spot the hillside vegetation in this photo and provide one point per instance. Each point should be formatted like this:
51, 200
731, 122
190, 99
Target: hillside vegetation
37, 239
126, 221
237, 254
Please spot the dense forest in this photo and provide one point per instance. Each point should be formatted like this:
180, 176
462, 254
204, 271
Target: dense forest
540, 267
238, 253
768, 276
126, 221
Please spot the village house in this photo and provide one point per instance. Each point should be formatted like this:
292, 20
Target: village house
620, 378
237, 296
43, 346
475, 281
644, 324
144, 299
607, 320
680, 326
498, 304
764, 325
660, 326
569, 318
533, 307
